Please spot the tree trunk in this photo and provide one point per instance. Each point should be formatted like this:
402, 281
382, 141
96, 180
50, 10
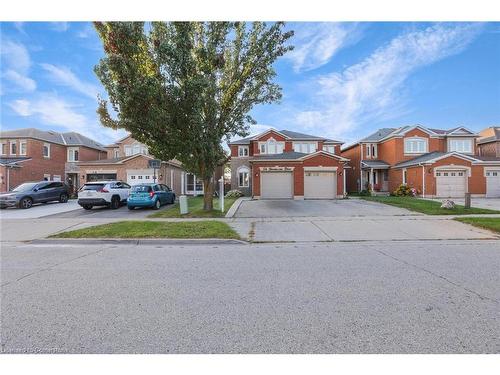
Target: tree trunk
208, 198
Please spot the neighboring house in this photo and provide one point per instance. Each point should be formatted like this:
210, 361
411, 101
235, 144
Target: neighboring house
285, 164
438, 163
128, 160
34, 155
488, 143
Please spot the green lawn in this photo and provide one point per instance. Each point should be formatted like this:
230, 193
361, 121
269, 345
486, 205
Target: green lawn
154, 229
195, 205
491, 223
428, 207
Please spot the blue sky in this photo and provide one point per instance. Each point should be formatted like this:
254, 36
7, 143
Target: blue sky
343, 80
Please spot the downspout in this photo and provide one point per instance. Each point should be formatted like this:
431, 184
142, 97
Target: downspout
360, 169
423, 179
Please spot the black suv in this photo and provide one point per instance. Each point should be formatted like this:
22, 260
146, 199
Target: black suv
25, 195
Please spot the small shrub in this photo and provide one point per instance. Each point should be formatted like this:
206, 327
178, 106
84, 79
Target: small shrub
234, 194
403, 191
365, 193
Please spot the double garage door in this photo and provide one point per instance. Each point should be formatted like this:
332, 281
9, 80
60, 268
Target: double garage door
317, 185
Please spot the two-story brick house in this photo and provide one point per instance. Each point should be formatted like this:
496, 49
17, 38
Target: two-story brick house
285, 164
488, 143
128, 160
437, 162
34, 155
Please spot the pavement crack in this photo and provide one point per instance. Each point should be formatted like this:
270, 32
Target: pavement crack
438, 276
322, 231
52, 266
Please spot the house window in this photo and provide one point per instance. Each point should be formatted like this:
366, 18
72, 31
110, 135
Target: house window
117, 153
374, 150
46, 150
13, 148
271, 147
461, 145
73, 154
243, 177
128, 150
242, 151
262, 148
22, 148
305, 147
368, 150
4, 148
404, 177
415, 145
329, 148
136, 149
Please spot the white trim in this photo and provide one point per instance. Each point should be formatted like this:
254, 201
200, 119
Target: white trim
297, 146
471, 133
10, 148
6, 148
71, 151
404, 176
321, 169
243, 169
453, 167
298, 197
415, 138
45, 144
21, 143
243, 148
324, 153
256, 137
491, 169
471, 140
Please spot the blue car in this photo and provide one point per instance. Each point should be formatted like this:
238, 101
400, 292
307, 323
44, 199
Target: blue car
150, 195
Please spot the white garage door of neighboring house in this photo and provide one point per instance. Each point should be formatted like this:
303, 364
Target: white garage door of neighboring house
320, 185
493, 183
276, 185
139, 178
451, 183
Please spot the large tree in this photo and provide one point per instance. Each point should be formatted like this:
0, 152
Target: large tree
183, 88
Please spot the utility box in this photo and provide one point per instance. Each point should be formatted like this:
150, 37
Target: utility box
183, 204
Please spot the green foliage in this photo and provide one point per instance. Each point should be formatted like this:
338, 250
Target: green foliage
365, 193
234, 194
403, 190
195, 205
184, 87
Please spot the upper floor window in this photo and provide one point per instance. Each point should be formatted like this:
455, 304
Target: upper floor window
460, 145
415, 145
305, 147
23, 147
13, 148
73, 154
329, 148
271, 147
242, 150
46, 150
4, 148
117, 154
371, 150
134, 149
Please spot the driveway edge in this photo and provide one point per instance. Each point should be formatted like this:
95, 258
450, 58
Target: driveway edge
230, 213
138, 241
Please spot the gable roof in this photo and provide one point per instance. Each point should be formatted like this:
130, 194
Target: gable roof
289, 134
66, 139
292, 155
495, 137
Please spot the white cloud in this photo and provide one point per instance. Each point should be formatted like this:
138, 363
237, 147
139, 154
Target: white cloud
15, 56
315, 44
373, 89
60, 26
65, 77
21, 81
86, 31
50, 110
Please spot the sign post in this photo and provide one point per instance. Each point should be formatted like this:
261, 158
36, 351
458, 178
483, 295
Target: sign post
221, 194
154, 164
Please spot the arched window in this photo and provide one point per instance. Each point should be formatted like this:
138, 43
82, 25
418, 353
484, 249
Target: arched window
243, 177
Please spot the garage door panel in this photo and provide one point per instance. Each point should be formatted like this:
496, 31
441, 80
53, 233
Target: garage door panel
451, 183
493, 183
276, 185
320, 185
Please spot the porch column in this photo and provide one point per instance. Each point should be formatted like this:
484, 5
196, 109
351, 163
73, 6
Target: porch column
182, 183
172, 179
371, 178
344, 172
194, 185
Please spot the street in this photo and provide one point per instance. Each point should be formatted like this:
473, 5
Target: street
340, 297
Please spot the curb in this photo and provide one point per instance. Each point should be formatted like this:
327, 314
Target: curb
138, 241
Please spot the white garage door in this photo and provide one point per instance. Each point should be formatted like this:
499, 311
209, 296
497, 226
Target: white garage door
451, 183
276, 185
493, 183
320, 185
134, 178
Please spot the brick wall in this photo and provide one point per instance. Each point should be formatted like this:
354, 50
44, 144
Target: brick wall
353, 175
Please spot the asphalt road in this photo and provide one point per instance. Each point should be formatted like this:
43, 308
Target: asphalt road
105, 213
365, 297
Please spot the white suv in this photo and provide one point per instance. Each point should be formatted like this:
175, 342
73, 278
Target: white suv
103, 193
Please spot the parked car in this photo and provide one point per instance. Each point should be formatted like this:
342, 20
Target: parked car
103, 193
150, 195
28, 193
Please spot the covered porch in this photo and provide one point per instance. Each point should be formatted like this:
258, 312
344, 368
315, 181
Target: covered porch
375, 176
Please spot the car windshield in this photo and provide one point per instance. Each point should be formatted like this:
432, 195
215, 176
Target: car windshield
141, 189
25, 187
93, 187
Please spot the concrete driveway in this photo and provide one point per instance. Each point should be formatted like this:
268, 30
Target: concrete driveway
106, 213
488, 203
40, 210
316, 208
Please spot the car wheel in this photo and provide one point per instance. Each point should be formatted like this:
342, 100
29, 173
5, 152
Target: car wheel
87, 206
115, 203
157, 205
63, 198
26, 203
172, 200
130, 208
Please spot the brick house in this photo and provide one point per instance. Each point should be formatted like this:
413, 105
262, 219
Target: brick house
437, 162
488, 143
285, 164
127, 160
34, 155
